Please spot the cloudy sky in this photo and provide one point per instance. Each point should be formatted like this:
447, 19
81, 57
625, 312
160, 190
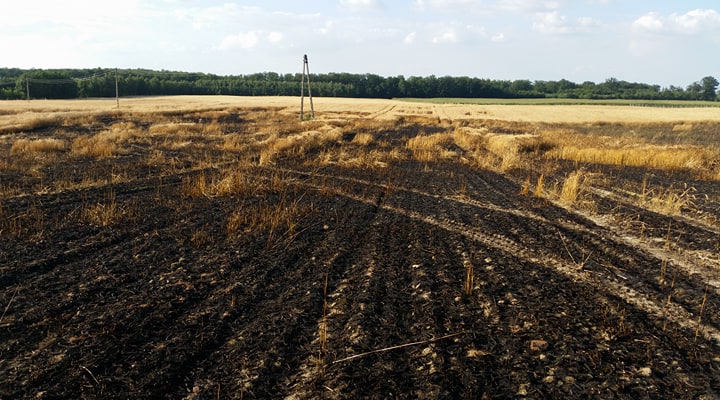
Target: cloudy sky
651, 41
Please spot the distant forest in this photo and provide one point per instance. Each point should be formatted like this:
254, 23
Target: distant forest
101, 82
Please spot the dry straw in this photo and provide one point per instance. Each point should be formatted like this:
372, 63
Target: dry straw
46, 145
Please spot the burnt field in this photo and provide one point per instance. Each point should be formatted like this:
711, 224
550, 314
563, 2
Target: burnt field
237, 252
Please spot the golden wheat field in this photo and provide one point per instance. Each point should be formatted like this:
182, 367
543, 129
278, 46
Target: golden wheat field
375, 108
221, 247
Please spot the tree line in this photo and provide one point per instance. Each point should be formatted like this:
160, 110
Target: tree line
18, 83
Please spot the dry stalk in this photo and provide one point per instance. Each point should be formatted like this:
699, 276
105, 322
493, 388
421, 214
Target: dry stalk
702, 310
91, 374
663, 265
578, 265
7, 307
667, 304
525, 189
462, 191
104, 213
540, 187
433, 340
323, 325
469, 275
322, 331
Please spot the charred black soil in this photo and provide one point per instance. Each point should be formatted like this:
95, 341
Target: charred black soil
141, 277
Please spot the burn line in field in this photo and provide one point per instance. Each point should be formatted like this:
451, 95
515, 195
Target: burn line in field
670, 311
13, 274
339, 268
708, 274
700, 225
383, 304
126, 187
672, 257
362, 275
559, 224
385, 186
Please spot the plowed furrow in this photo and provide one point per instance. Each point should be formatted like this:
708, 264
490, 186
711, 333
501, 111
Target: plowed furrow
646, 300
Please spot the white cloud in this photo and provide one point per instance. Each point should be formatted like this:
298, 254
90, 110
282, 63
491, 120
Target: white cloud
275, 37
410, 38
487, 7
245, 40
202, 18
326, 28
422, 4
360, 4
448, 35
696, 21
690, 23
83, 19
554, 23
551, 23
527, 5
17, 13
498, 38
651, 22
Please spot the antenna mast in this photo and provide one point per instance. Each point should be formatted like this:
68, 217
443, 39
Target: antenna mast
306, 75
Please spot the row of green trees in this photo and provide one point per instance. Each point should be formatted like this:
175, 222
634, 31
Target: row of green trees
77, 83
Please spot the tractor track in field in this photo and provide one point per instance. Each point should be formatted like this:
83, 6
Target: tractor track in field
384, 111
645, 298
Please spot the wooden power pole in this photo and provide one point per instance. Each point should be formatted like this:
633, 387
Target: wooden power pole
306, 75
117, 91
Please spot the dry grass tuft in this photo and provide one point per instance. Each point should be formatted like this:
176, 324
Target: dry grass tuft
121, 131
106, 212
428, 148
360, 158
30, 222
236, 182
106, 143
278, 221
540, 187
94, 146
234, 142
508, 148
298, 145
470, 139
47, 145
195, 186
213, 128
363, 139
668, 201
575, 189
176, 129
645, 156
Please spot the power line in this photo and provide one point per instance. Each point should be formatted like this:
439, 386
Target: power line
51, 81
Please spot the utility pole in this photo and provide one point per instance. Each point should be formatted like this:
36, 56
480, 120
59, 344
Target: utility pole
27, 88
117, 92
306, 75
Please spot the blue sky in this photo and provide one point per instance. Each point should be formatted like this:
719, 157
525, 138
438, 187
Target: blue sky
660, 42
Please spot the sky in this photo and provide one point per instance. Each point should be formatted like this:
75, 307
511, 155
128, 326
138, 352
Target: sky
659, 42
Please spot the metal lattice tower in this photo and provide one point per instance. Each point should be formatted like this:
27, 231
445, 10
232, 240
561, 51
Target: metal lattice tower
306, 76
